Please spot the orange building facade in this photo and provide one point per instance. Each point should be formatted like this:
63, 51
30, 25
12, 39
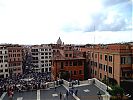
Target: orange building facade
68, 63
112, 61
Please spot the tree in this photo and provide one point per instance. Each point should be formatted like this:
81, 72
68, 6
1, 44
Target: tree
117, 91
64, 75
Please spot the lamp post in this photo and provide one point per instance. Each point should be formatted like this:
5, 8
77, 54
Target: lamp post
99, 95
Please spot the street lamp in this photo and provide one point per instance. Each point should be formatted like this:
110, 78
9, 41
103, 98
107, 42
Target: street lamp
99, 95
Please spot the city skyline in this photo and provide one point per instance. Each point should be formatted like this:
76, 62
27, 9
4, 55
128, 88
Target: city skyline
76, 22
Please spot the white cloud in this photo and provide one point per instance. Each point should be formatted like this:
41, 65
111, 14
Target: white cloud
43, 21
78, 37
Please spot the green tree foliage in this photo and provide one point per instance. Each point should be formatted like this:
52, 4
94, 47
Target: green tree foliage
64, 75
117, 91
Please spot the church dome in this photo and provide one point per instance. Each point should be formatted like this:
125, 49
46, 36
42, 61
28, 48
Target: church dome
59, 41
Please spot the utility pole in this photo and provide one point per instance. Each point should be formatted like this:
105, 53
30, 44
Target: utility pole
93, 54
107, 71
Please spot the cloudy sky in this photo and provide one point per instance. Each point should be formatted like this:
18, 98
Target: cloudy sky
75, 21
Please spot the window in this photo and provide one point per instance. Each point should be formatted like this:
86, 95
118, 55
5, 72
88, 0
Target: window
46, 69
6, 70
95, 72
1, 57
95, 55
2, 76
66, 64
100, 75
1, 65
42, 49
105, 77
129, 60
1, 70
79, 63
42, 61
49, 57
50, 69
46, 57
100, 66
42, 57
62, 65
71, 73
42, 70
6, 75
18, 50
10, 50
42, 53
74, 63
80, 71
123, 60
66, 55
126, 60
46, 64
18, 55
5, 65
92, 54
95, 64
42, 65
74, 72
105, 68
106, 57
110, 69
49, 64
70, 63
101, 56
110, 58
70, 55
91, 63
46, 53
91, 70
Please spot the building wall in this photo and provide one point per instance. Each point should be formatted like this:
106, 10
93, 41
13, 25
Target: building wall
67, 59
15, 59
41, 58
76, 72
3, 62
114, 54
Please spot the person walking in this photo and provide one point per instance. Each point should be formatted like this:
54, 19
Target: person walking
55, 88
67, 93
76, 91
11, 95
60, 95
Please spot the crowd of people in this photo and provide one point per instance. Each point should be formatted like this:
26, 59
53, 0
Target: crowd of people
30, 81
24, 82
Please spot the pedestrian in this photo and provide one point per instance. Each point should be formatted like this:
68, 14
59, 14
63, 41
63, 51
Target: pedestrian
76, 91
60, 95
67, 93
55, 88
11, 95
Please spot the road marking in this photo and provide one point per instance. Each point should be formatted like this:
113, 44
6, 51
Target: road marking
3, 95
20, 98
86, 90
38, 94
67, 88
54, 95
